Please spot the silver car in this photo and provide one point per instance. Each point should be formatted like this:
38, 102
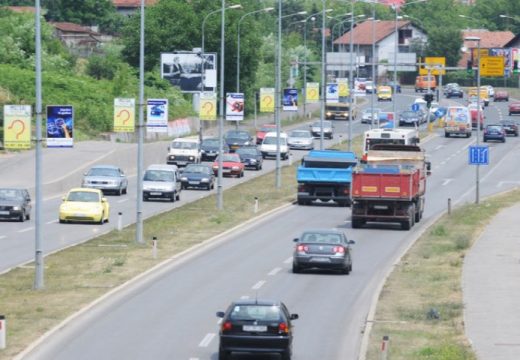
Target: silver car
366, 116
328, 129
300, 140
107, 178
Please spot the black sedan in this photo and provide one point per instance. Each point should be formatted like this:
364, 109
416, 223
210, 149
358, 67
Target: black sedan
237, 138
494, 132
15, 204
209, 149
326, 249
251, 157
198, 176
510, 127
410, 118
454, 91
256, 326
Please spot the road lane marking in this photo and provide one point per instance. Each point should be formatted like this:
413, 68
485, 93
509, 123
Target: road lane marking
244, 297
446, 182
2, 236
502, 183
258, 285
288, 261
207, 339
438, 147
26, 229
51, 222
274, 271
193, 359
219, 321
122, 200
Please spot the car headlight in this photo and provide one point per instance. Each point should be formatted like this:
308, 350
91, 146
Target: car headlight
246, 143
252, 160
172, 157
235, 167
204, 180
184, 178
215, 167
17, 208
203, 151
192, 158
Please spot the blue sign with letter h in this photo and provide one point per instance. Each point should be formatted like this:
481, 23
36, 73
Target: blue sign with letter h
478, 155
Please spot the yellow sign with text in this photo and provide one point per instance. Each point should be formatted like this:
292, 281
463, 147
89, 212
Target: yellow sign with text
492, 66
208, 106
267, 100
17, 126
435, 64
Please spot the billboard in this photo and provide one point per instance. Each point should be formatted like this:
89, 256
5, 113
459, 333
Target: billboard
208, 106
332, 93
157, 115
235, 106
60, 126
290, 99
312, 93
17, 126
343, 87
267, 100
124, 115
184, 69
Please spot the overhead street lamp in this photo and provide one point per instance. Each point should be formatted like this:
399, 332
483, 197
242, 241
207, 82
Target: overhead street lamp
238, 41
477, 166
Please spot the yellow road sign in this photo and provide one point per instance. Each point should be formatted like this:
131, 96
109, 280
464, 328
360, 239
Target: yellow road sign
435, 64
17, 126
491, 66
208, 106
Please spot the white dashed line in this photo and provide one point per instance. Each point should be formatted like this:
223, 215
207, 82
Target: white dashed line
288, 261
2, 236
51, 222
193, 359
207, 339
446, 182
438, 147
219, 321
122, 201
244, 297
258, 285
274, 271
25, 230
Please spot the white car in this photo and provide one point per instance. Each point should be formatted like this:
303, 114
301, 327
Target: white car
366, 116
369, 87
184, 151
269, 145
325, 127
300, 140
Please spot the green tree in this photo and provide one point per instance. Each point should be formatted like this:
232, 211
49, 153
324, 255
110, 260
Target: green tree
446, 42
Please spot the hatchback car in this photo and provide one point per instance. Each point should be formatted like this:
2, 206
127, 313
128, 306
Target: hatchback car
209, 148
198, 176
514, 108
161, 181
237, 138
510, 127
107, 178
494, 132
231, 165
15, 204
84, 205
251, 157
256, 326
410, 118
324, 126
501, 95
325, 249
260, 133
366, 115
454, 92
300, 140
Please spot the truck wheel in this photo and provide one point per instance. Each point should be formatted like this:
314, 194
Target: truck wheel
406, 225
301, 202
356, 224
446, 135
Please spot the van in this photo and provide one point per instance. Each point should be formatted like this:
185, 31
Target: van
458, 121
422, 83
184, 151
161, 182
268, 147
384, 93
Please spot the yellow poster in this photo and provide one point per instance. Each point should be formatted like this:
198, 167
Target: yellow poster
124, 115
312, 93
343, 89
208, 106
267, 100
17, 126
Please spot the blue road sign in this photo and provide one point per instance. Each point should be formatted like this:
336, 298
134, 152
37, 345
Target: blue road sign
415, 107
478, 155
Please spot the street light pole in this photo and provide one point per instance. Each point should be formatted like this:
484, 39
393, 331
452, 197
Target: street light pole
323, 70
220, 195
140, 137
373, 65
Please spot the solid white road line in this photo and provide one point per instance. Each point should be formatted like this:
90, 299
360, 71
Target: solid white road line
274, 271
51, 222
258, 285
207, 339
288, 261
26, 229
2, 236
244, 297
446, 182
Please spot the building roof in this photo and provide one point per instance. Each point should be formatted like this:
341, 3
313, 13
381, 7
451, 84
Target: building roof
22, 9
132, 3
362, 33
74, 28
488, 39
392, 2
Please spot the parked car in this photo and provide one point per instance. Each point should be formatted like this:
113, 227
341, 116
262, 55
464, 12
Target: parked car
501, 95
514, 108
324, 126
251, 157
161, 182
107, 178
510, 127
264, 129
300, 140
237, 138
210, 148
15, 204
410, 118
366, 115
231, 165
256, 326
198, 176
84, 205
322, 249
495, 132
269, 145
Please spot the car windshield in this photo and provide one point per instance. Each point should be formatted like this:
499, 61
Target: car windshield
300, 134
231, 158
10, 194
409, 114
184, 145
255, 312
325, 124
267, 128
271, 140
246, 151
83, 196
199, 169
158, 175
237, 135
321, 238
103, 172
494, 127
369, 111
210, 142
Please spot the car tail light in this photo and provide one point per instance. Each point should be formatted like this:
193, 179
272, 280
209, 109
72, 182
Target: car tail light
283, 328
339, 249
346, 191
227, 326
302, 248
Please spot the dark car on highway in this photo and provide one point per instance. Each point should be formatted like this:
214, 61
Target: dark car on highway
410, 118
251, 157
15, 204
256, 327
453, 91
198, 176
510, 127
209, 149
494, 132
322, 249
501, 95
237, 138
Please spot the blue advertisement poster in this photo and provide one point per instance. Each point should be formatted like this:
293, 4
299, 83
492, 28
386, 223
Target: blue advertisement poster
60, 126
290, 99
157, 115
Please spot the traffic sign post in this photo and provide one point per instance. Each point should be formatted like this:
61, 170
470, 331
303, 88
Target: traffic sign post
479, 155
492, 66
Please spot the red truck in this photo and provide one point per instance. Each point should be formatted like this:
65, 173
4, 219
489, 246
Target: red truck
390, 187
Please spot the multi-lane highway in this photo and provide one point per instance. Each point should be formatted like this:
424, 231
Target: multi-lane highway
170, 314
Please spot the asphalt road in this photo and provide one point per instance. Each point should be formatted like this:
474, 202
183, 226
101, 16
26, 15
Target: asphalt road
171, 314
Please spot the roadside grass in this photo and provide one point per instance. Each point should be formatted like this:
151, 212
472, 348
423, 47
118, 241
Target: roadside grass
420, 307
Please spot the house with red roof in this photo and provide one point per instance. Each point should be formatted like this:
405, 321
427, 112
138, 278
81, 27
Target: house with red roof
80, 39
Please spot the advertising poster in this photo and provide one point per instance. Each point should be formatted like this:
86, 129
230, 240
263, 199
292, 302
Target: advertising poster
343, 88
267, 100
17, 126
124, 115
188, 70
312, 93
235, 106
332, 94
157, 115
290, 99
359, 87
60, 126
208, 106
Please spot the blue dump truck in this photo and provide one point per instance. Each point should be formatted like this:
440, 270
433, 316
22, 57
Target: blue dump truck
325, 175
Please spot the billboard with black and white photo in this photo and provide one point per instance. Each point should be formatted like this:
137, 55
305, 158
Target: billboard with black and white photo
184, 69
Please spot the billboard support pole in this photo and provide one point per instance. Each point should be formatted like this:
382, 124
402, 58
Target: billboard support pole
140, 136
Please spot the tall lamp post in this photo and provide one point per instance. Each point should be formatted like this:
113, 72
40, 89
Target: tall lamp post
238, 40
516, 19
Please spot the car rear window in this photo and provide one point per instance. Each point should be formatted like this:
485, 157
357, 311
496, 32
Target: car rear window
321, 238
255, 312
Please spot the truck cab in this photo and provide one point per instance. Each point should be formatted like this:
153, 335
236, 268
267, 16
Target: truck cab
184, 151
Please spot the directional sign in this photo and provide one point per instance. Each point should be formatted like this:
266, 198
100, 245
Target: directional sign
415, 107
492, 66
435, 64
478, 155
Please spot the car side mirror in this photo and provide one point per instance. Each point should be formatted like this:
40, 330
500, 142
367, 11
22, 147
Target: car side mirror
220, 314
296, 239
63, 198
294, 316
351, 242
104, 200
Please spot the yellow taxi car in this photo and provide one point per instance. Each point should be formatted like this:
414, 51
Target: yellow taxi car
384, 93
84, 205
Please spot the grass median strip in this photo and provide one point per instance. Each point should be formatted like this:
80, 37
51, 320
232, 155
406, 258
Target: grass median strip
420, 307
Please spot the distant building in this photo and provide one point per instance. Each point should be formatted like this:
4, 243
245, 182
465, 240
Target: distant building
128, 7
81, 40
22, 9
